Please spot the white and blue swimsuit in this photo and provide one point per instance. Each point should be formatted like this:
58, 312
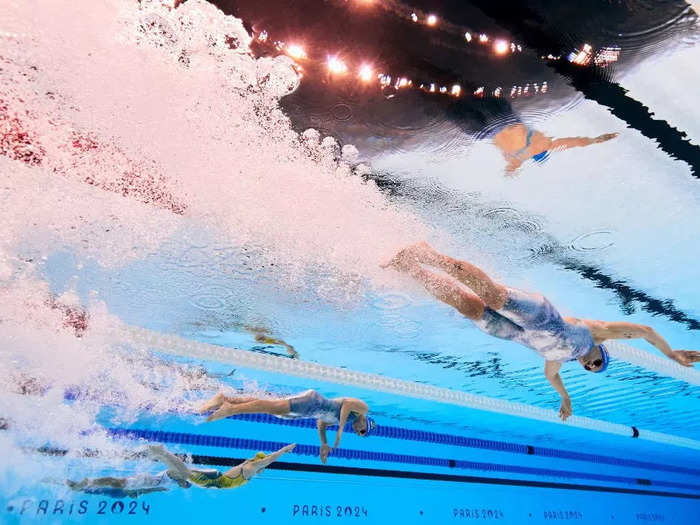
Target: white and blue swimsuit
312, 405
531, 320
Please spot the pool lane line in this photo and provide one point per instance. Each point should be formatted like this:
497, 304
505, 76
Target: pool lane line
179, 346
433, 476
218, 461
552, 250
409, 434
184, 438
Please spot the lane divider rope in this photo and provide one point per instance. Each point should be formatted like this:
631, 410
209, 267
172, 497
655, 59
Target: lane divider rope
179, 346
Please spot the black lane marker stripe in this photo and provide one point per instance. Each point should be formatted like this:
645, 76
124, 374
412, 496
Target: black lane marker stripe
628, 296
540, 34
432, 476
219, 461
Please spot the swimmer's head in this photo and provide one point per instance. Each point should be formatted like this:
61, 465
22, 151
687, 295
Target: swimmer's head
596, 360
363, 425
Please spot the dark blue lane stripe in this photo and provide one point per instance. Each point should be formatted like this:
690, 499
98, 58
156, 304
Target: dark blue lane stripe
313, 450
452, 440
485, 444
405, 474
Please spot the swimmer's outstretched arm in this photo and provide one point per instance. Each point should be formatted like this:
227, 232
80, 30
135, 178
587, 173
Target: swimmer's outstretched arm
551, 371
176, 467
577, 142
325, 449
252, 467
260, 337
604, 330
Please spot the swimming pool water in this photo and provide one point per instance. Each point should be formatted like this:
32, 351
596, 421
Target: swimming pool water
159, 177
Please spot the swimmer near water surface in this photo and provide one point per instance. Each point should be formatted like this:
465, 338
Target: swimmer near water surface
526, 318
306, 405
519, 143
178, 474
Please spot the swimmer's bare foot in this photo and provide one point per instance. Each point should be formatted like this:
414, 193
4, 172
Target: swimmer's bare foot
402, 261
410, 256
226, 409
76, 485
213, 403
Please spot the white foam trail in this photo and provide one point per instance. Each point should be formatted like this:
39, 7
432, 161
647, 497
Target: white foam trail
169, 108
122, 125
44, 354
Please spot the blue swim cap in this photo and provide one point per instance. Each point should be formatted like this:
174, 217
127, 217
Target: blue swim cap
605, 357
541, 157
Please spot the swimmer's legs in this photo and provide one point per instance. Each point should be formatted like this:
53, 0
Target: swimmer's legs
443, 289
87, 483
493, 295
175, 465
219, 399
275, 407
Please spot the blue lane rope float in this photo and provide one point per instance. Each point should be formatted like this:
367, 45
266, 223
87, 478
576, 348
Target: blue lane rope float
183, 438
176, 345
410, 434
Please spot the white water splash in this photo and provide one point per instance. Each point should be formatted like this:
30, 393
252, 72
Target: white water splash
122, 124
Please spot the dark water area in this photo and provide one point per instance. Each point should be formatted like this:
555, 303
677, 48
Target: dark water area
383, 34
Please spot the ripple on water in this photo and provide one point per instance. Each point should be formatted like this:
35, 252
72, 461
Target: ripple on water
391, 301
212, 298
399, 326
510, 218
342, 112
592, 241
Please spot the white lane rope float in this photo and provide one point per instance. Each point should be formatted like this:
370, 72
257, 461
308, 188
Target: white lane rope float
179, 346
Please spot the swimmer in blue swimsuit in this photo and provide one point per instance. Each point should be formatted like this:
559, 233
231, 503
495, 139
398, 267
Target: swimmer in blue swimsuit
307, 405
178, 474
519, 143
526, 318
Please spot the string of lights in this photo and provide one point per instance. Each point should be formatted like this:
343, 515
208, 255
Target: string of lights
433, 20
583, 56
338, 67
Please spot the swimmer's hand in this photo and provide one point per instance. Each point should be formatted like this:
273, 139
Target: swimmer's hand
325, 450
685, 357
292, 353
288, 448
513, 165
605, 137
565, 409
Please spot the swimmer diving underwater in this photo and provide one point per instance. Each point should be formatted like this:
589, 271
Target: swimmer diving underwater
526, 318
